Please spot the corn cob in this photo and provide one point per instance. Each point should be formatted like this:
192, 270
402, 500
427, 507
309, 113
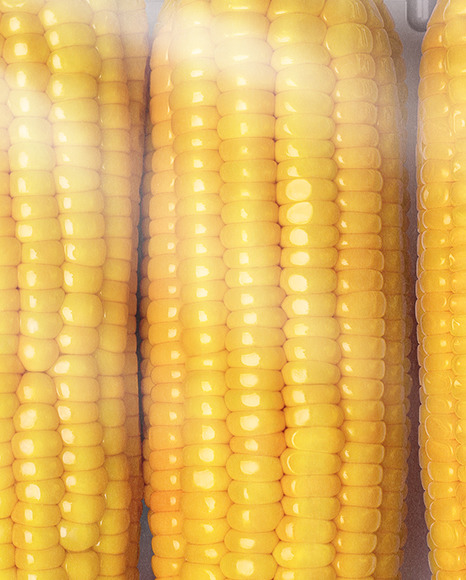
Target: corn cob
52, 501
440, 285
324, 71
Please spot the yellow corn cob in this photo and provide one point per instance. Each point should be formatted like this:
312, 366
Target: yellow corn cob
61, 368
440, 291
296, 104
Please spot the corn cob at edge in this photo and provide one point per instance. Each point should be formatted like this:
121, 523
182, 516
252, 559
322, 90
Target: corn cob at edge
441, 285
63, 455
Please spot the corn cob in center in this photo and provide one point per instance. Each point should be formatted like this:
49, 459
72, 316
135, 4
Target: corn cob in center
288, 243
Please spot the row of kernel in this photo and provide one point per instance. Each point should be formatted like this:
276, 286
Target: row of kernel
434, 317
134, 35
75, 117
402, 90
11, 367
403, 277
440, 284
391, 534
254, 340
455, 45
166, 355
360, 301
203, 313
308, 214
144, 348
36, 444
151, 182
113, 100
429, 310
